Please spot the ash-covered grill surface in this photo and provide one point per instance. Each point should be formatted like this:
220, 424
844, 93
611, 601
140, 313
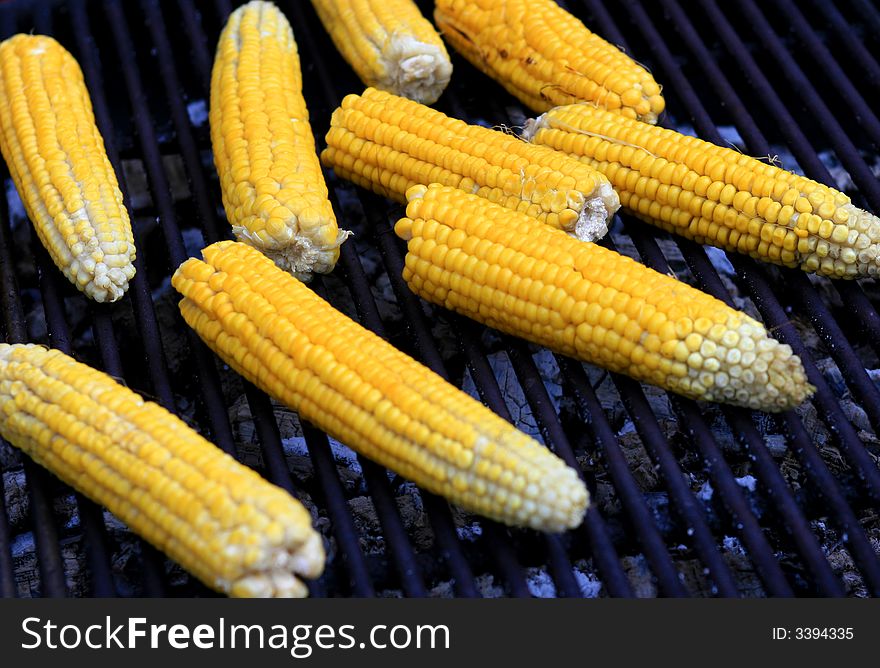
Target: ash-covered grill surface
689, 499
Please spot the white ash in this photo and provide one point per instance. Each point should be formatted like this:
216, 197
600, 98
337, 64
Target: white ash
640, 577
776, 444
22, 544
832, 375
627, 428
856, 415
17, 213
705, 492
519, 408
589, 584
18, 502
487, 588
540, 583
720, 261
733, 544
747, 481
469, 532
550, 375
874, 375
197, 110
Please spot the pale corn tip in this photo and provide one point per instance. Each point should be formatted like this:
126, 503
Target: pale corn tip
292, 344
716, 195
390, 45
507, 270
219, 519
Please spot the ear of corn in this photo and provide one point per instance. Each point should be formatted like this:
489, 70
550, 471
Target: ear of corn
270, 176
716, 195
57, 160
390, 45
509, 271
546, 57
220, 520
388, 144
361, 390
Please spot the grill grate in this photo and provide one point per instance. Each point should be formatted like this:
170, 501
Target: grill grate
673, 516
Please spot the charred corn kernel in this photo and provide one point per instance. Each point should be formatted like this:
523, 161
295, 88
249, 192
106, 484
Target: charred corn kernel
219, 519
546, 57
388, 143
507, 270
716, 195
270, 176
57, 160
292, 344
390, 45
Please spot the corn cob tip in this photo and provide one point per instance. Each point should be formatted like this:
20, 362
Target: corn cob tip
301, 256
281, 579
414, 69
742, 365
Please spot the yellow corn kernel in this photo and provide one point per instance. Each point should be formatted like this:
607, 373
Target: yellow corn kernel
292, 344
388, 144
591, 303
56, 158
270, 176
217, 518
390, 45
718, 196
546, 57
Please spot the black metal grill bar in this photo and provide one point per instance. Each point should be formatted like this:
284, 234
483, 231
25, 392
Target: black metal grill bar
649, 429
689, 511
189, 151
45, 534
483, 378
857, 542
834, 76
754, 274
852, 369
7, 576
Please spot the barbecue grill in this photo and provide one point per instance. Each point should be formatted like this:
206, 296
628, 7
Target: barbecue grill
690, 500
